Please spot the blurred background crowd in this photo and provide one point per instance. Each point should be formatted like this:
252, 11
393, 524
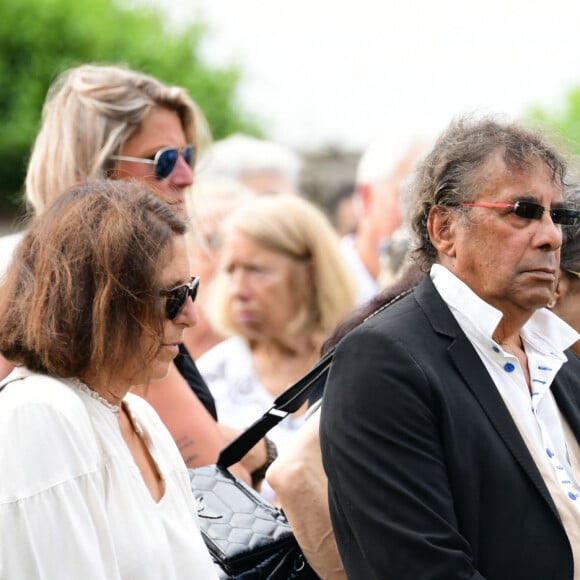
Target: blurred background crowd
322, 79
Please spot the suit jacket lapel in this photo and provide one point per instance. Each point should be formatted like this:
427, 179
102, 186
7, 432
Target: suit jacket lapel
564, 386
478, 381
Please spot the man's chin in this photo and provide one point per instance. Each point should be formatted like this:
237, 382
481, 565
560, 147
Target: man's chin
541, 302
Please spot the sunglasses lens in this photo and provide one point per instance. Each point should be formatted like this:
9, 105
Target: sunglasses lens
175, 301
177, 297
194, 289
166, 163
189, 155
566, 217
528, 210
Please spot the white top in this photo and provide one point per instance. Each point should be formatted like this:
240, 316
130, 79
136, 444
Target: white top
367, 286
545, 336
240, 398
73, 504
7, 246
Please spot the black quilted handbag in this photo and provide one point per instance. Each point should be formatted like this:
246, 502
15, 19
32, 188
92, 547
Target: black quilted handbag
248, 537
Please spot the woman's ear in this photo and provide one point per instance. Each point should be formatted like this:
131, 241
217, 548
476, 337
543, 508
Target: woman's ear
441, 227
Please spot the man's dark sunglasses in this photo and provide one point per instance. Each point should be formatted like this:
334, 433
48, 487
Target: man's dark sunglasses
563, 216
177, 297
165, 160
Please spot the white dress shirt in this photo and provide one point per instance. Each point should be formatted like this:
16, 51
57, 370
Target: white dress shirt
545, 336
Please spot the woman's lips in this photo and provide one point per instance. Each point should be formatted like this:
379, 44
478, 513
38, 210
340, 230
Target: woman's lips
246, 316
173, 347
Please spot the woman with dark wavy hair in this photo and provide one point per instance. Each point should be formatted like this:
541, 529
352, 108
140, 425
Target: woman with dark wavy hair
95, 301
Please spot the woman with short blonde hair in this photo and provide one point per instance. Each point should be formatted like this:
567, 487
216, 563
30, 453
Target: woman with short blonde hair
282, 286
294, 227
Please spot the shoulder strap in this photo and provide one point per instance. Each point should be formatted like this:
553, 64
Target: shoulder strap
288, 402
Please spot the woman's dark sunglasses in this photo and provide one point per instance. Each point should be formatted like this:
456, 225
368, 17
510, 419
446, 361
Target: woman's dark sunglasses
532, 211
177, 297
165, 160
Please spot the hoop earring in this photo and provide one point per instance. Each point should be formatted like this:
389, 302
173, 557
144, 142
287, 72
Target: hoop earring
551, 305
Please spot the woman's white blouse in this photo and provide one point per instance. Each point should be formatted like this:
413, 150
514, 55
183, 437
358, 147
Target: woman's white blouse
240, 398
73, 504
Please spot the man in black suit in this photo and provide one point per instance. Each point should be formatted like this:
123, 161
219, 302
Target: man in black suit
450, 423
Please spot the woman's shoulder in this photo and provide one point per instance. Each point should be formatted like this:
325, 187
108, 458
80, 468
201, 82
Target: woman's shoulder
23, 388
50, 433
230, 375
232, 352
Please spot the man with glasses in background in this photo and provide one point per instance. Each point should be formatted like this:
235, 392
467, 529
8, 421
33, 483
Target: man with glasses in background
450, 425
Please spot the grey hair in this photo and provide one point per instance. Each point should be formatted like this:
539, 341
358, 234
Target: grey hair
239, 154
450, 173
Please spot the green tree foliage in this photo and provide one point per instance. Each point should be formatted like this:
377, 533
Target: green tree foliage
564, 122
41, 38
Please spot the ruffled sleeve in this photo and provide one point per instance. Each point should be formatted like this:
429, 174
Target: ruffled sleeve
53, 522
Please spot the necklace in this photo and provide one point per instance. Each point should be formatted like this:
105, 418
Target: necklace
115, 409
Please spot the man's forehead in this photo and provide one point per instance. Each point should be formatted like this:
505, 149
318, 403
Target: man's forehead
535, 176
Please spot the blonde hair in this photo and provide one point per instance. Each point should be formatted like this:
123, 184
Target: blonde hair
89, 113
294, 227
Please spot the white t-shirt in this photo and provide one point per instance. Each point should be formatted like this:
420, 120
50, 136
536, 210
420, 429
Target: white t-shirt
73, 504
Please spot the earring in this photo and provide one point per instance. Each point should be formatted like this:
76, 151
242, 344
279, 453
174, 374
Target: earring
552, 304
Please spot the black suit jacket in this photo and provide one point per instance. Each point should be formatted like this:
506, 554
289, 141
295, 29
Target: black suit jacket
429, 477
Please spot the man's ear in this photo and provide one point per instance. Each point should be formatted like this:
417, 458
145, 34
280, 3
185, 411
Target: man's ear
365, 196
441, 226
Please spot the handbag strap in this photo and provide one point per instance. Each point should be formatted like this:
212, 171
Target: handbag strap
288, 402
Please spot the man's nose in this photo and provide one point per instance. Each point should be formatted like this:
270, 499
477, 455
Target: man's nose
549, 234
